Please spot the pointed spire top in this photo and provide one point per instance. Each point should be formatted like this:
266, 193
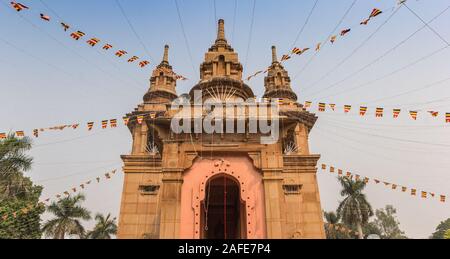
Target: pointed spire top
221, 32
166, 55
274, 54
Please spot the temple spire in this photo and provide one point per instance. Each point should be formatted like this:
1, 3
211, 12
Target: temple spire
274, 54
166, 55
221, 32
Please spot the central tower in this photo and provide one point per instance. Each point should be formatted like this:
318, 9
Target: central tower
219, 185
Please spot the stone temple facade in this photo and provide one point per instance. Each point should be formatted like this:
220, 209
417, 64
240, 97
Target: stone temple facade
219, 185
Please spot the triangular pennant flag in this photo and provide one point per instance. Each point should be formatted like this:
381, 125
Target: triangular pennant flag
413, 115
307, 104
379, 112
333, 38
90, 125
322, 107
140, 119
362, 110
318, 46
45, 17
343, 32
424, 195
433, 113
396, 113
347, 108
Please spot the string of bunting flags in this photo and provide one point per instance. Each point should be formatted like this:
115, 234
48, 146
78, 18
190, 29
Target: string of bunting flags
380, 112
92, 41
67, 193
112, 123
392, 186
296, 51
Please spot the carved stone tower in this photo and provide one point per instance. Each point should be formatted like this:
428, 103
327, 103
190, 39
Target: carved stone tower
190, 184
277, 83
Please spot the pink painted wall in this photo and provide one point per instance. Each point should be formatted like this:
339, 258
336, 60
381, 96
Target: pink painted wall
195, 180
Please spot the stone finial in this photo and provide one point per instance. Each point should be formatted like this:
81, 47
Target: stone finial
221, 31
166, 54
274, 54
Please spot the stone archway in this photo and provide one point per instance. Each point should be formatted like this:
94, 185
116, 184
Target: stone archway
194, 193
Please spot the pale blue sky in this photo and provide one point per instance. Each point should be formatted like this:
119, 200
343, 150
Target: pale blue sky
47, 78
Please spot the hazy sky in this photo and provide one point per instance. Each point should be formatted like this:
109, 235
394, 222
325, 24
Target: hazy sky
47, 79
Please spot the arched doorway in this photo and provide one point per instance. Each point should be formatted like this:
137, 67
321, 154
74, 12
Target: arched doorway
223, 211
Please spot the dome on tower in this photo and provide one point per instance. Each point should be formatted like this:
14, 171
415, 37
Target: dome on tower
221, 71
162, 82
277, 83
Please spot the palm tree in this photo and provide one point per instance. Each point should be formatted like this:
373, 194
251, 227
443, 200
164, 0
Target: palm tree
354, 210
69, 214
104, 228
13, 161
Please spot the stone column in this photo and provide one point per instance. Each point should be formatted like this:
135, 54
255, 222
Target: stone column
274, 203
171, 203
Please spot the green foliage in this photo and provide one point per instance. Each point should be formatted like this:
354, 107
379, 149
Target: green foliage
447, 234
105, 227
387, 223
18, 195
332, 220
68, 214
441, 229
354, 210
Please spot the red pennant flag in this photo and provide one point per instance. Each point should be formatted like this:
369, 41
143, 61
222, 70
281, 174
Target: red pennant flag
65, 26
18, 6
113, 123
45, 17
322, 107
433, 113
140, 119
120, 53
77, 35
333, 39
379, 112
362, 110
413, 115
93, 41
126, 120
343, 32
347, 108
396, 113
375, 12
308, 104
143, 63
107, 46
